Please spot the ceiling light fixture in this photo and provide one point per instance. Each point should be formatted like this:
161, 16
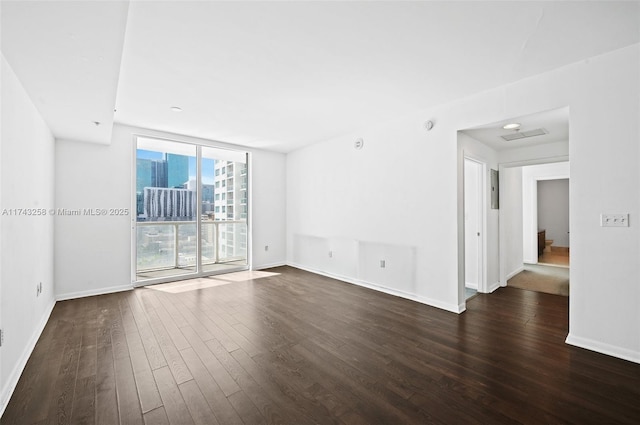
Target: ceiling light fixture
176, 109
511, 126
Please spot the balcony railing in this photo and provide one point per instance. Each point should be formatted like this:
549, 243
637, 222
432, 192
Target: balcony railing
165, 245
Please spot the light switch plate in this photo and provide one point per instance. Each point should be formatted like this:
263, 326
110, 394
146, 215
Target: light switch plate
614, 220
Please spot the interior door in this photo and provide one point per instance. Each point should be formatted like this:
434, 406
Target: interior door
473, 213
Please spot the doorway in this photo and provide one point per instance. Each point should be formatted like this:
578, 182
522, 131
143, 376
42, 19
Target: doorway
553, 222
533, 227
474, 206
506, 145
191, 204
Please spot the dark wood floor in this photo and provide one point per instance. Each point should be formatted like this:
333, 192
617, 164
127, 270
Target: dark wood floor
298, 348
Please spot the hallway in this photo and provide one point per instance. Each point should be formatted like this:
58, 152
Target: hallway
542, 278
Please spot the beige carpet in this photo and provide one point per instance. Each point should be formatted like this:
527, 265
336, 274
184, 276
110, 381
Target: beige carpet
549, 279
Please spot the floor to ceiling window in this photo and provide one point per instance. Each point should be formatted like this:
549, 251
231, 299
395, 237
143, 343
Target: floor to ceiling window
191, 210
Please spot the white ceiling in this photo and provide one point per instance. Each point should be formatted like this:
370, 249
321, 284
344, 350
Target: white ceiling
280, 75
67, 56
555, 122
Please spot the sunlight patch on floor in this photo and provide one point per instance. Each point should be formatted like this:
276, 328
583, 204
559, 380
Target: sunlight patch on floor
245, 275
187, 285
209, 282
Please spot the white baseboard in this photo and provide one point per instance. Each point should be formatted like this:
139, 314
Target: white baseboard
471, 285
604, 348
513, 273
493, 287
453, 308
92, 292
10, 385
268, 266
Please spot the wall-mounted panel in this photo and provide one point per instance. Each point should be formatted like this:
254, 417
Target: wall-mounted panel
311, 252
342, 257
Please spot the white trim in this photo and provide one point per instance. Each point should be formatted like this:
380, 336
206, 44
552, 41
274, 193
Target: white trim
12, 381
268, 266
513, 273
493, 287
604, 348
471, 285
249, 158
453, 308
133, 225
92, 292
535, 161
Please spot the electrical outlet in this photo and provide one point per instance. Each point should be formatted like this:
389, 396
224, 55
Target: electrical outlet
614, 220
383, 264
330, 254
266, 247
1, 337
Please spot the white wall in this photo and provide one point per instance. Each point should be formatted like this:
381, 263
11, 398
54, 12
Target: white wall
511, 218
553, 210
93, 254
385, 202
530, 176
472, 148
405, 188
268, 209
27, 179
2, 389
538, 154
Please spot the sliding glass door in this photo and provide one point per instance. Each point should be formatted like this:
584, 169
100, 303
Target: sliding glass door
191, 210
224, 206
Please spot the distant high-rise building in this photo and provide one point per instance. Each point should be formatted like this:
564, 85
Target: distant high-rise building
230, 204
158, 173
207, 195
149, 173
143, 174
177, 170
170, 172
162, 203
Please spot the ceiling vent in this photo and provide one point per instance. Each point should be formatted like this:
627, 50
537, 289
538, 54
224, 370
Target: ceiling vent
524, 134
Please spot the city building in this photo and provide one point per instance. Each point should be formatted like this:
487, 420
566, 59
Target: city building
170, 172
230, 204
177, 170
